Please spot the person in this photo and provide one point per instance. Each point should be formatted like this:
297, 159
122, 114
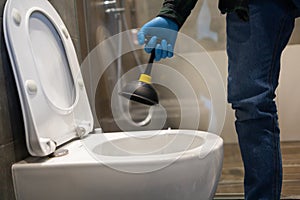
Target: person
257, 32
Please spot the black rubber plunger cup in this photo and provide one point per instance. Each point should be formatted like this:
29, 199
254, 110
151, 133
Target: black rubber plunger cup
142, 91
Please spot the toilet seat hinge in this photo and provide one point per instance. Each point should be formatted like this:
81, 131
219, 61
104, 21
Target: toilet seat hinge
81, 132
47, 145
83, 129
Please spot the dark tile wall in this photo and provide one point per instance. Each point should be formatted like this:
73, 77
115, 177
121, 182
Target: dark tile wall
12, 138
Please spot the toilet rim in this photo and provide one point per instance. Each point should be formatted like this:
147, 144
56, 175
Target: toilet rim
80, 155
210, 144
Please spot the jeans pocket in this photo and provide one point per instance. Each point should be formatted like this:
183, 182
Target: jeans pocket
238, 31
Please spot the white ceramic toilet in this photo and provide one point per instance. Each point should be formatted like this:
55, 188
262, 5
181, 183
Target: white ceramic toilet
69, 159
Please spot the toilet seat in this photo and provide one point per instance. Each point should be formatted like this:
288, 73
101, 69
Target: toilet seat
51, 89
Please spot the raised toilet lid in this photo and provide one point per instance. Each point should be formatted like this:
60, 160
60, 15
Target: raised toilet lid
51, 89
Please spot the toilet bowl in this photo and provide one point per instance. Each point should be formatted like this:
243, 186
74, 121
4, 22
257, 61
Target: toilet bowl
71, 160
141, 169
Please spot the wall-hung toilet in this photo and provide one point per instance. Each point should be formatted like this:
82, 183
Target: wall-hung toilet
69, 159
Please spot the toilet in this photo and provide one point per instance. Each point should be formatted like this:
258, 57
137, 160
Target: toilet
72, 160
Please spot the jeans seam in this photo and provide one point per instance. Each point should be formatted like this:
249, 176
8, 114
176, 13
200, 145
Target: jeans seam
275, 51
276, 47
275, 186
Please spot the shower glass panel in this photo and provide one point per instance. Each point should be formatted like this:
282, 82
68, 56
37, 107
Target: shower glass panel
103, 19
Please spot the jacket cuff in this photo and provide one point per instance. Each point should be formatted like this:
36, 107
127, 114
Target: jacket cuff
171, 14
177, 10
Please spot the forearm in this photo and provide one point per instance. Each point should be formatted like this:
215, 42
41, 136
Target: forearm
177, 10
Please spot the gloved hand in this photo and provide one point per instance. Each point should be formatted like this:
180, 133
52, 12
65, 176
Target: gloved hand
159, 33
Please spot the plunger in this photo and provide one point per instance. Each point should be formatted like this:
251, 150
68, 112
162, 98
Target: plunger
142, 91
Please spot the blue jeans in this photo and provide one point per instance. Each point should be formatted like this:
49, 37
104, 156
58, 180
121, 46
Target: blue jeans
254, 49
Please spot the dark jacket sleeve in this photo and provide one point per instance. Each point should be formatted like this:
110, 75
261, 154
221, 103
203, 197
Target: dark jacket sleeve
178, 10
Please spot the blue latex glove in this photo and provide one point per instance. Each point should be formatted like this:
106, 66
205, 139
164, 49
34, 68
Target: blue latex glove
159, 33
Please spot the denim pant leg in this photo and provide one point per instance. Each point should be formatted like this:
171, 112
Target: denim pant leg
254, 49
